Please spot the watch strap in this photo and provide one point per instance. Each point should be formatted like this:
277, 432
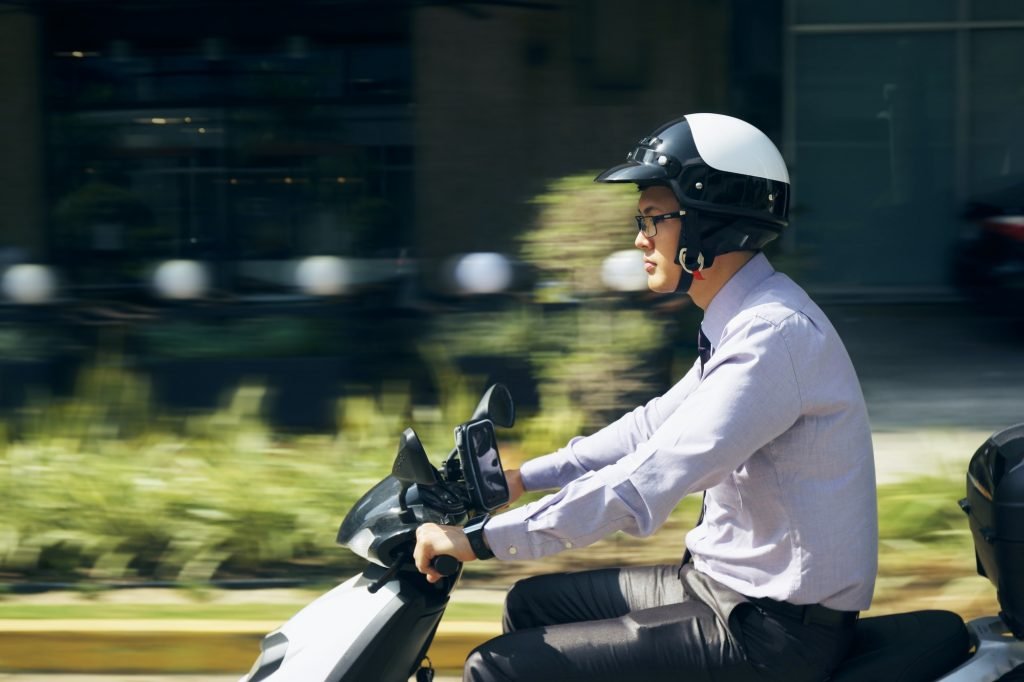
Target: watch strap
474, 531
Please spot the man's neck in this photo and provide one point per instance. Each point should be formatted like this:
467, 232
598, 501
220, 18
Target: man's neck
703, 291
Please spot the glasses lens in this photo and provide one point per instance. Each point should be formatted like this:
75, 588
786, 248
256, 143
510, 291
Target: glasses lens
645, 224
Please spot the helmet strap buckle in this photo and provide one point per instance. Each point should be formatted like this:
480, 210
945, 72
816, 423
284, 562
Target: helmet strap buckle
695, 267
691, 252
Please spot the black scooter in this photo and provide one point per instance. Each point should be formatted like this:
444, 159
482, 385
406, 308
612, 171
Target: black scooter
377, 626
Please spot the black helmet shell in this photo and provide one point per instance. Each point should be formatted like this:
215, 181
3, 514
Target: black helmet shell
720, 167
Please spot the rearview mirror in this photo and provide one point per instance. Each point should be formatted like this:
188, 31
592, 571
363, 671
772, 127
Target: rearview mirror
496, 405
411, 463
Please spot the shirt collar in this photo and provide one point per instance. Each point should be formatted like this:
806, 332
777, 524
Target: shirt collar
730, 297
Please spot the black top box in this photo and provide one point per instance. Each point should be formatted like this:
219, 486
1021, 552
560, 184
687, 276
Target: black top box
995, 507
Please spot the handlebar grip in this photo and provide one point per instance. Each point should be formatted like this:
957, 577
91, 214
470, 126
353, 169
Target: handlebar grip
444, 564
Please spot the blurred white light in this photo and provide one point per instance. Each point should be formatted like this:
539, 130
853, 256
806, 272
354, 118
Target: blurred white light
624, 271
483, 273
29, 283
181, 279
323, 275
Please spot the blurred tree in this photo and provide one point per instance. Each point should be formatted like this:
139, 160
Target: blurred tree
579, 223
611, 351
596, 350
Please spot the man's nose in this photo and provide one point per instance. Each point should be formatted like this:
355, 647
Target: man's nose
642, 241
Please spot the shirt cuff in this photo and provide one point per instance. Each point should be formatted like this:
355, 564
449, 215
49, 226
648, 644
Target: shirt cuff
509, 539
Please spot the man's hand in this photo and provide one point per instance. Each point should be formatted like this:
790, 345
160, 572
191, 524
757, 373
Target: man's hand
515, 484
433, 540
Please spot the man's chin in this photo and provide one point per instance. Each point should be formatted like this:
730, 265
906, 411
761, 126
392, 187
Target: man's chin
663, 286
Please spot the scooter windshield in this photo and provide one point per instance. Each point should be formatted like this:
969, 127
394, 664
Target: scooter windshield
380, 500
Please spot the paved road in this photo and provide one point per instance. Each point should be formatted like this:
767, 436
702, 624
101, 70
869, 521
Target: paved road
938, 380
938, 366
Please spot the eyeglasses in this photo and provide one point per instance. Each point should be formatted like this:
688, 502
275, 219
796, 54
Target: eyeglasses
648, 224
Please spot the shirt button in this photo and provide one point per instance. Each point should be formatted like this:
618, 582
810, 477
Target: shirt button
512, 550
568, 545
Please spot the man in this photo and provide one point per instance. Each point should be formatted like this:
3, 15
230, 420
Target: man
770, 422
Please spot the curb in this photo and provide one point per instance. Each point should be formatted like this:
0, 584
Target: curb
176, 646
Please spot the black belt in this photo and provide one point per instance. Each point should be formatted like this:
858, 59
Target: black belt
811, 614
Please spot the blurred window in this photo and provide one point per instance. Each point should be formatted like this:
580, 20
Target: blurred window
246, 146
996, 109
892, 123
874, 157
997, 9
871, 11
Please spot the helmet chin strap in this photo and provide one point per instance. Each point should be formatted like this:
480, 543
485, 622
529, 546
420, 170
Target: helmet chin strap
685, 281
690, 256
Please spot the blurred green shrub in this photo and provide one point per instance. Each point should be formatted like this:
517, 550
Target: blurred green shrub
26, 343
249, 337
599, 351
578, 224
102, 487
923, 513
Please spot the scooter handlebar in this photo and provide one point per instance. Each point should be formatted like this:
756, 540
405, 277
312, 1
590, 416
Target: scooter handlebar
444, 564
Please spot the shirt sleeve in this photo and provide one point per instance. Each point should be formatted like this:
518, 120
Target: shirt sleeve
749, 396
608, 445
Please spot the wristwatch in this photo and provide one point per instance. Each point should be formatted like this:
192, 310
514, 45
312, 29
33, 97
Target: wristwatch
474, 531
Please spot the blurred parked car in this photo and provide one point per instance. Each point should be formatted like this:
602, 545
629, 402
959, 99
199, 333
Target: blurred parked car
989, 263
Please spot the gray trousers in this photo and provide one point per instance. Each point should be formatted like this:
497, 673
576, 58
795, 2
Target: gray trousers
655, 623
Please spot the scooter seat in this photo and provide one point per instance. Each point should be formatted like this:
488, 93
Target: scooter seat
919, 646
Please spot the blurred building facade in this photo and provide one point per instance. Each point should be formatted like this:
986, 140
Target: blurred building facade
250, 133
236, 133
896, 113
250, 136
246, 135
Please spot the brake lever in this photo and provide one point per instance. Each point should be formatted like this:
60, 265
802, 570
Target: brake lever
444, 564
390, 573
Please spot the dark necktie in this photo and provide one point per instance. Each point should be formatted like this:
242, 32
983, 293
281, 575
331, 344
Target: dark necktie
704, 350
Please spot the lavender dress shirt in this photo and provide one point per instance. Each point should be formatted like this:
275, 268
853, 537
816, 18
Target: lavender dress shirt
775, 430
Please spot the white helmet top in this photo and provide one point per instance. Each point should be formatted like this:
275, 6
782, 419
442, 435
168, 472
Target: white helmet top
729, 144
726, 174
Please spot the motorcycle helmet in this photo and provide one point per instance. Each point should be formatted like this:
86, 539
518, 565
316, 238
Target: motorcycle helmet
727, 176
